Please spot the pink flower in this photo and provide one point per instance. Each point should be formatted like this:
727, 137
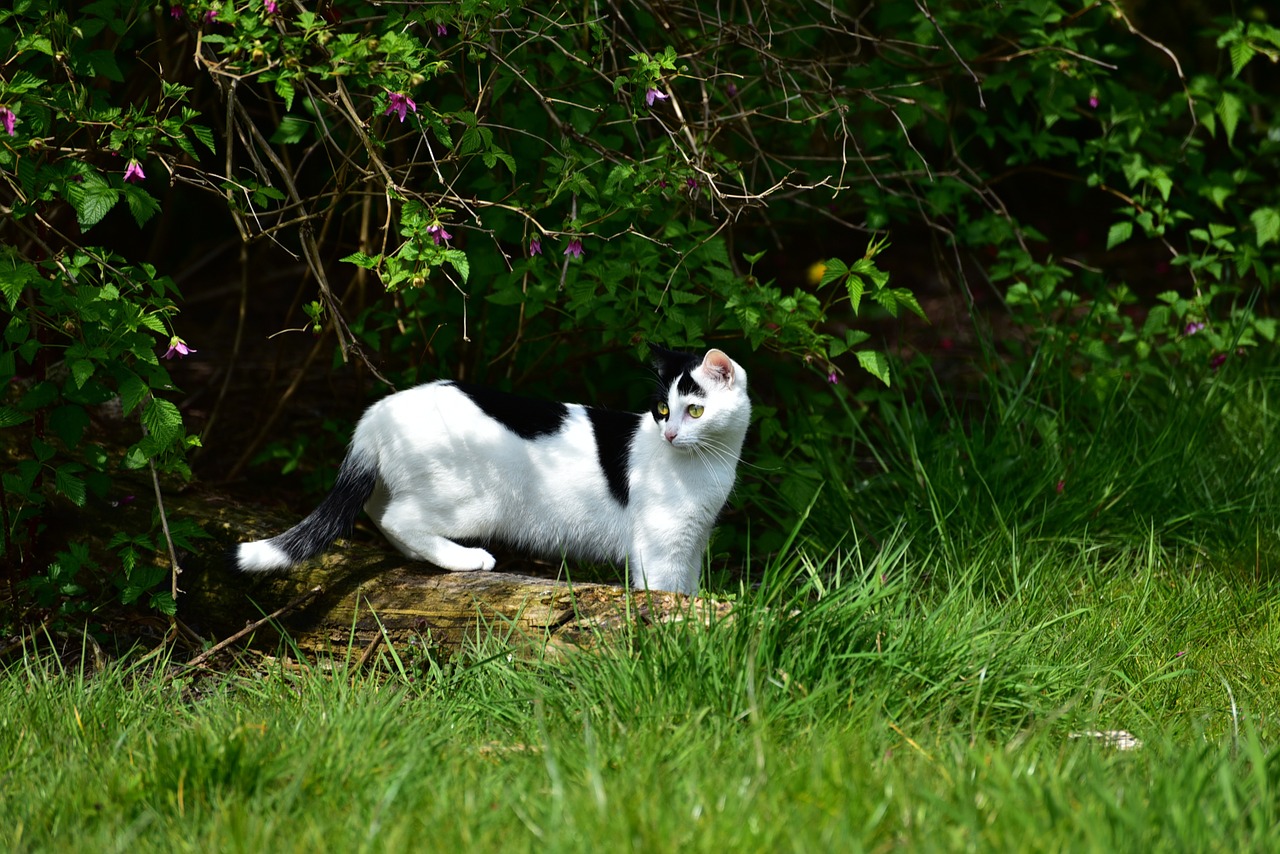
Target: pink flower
690, 183
438, 234
178, 347
1093, 101
833, 378
272, 6
211, 16
574, 248
1193, 327
732, 89
535, 247
400, 104
654, 95
133, 172
175, 12
1217, 360
442, 30
9, 119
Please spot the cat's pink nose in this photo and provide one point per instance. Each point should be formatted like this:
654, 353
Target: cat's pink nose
670, 435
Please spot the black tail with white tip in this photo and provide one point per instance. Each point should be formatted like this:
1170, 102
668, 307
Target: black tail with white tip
334, 518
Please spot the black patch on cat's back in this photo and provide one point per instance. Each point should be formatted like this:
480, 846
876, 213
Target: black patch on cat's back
527, 417
614, 432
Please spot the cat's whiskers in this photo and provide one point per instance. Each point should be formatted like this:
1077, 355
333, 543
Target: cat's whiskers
716, 457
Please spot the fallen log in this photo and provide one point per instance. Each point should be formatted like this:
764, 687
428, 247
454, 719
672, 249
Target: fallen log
369, 593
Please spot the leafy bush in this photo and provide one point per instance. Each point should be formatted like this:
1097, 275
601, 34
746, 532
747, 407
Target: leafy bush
535, 190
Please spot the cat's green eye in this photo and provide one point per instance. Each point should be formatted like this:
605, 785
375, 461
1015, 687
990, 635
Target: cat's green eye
664, 410
695, 410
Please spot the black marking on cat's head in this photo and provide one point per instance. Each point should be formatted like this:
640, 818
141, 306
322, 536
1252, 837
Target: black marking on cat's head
676, 367
527, 417
670, 364
689, 386
614, 432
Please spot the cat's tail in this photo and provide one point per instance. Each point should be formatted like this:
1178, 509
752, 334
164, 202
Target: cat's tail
314, 534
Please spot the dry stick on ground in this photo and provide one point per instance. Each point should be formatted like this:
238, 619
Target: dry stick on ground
252, 627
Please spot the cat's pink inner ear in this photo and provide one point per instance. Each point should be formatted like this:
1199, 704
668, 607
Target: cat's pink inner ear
718, 366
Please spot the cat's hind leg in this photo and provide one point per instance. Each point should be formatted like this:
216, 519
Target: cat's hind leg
447, 554
437, 549
406, 527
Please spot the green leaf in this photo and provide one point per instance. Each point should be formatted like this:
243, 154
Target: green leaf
1218, 194
162, 420
875, 363
142, 204
458, 259
1159, 320
132, 391
284, 88
1162, 182
888, 301
81, 370
1266, 327
368, 262
1241, 52
163, 602
10, 417
905, 297
1119, 233
204, 136
1230, 108
66, 483
15, 275
93, 199
104, 65
69, 422
505, 159
856, 288
155, 324
1266, 222
292, 129
832, 271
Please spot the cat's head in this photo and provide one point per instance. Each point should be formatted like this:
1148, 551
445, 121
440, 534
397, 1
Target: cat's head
700, 400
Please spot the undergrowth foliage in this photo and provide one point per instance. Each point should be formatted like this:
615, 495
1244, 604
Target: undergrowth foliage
501, 189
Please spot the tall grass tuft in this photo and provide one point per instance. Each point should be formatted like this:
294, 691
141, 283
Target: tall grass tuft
943, 656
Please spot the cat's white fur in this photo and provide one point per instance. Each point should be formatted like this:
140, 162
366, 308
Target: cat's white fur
446, 471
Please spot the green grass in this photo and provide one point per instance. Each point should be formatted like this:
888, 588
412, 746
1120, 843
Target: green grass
878, 715
913, 680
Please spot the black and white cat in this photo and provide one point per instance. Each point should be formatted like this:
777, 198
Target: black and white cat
448, 461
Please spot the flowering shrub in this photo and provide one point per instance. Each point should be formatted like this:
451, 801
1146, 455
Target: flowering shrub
532, 185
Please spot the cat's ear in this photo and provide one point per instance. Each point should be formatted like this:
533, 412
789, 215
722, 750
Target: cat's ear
719, 367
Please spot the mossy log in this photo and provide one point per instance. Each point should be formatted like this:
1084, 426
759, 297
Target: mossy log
368, 593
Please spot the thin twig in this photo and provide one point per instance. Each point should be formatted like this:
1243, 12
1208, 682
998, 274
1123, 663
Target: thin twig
164, 526
254, 626
924, 8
